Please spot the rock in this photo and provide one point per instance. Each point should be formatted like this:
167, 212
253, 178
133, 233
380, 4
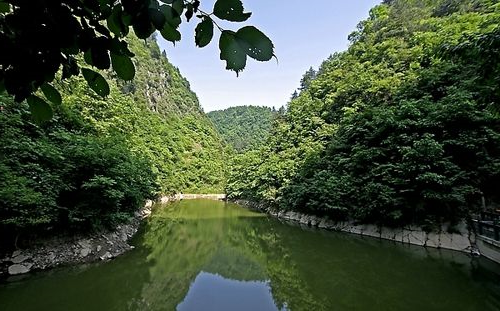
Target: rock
84, 243
84, 252
433, 240
106, 256
314, 221
18, 269
323, 224
99, 247
51, 257
16, 253
124, 237
20, 258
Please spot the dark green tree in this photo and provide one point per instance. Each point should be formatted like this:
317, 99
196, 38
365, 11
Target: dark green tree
39, 38
402, 128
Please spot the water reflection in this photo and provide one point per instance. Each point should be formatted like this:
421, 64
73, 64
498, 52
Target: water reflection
206, 255
212, 292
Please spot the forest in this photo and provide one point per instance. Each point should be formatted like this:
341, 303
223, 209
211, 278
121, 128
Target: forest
401, 128
98, 159
244, 128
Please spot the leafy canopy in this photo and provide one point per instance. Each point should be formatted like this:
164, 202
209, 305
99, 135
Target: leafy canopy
38, 38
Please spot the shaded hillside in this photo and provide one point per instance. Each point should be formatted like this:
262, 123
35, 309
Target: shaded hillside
400, 128
98, 159
243, 127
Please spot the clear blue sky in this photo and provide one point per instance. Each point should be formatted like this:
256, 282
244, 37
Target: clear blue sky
304, 34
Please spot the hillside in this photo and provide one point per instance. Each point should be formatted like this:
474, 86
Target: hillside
399, 129
98, 159
244, 127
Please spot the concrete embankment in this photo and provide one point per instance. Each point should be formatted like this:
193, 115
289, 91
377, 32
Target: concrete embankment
461, 239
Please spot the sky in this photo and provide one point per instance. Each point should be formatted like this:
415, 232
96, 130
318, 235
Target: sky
304, 33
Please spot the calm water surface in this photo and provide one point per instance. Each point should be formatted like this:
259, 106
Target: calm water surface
208, 255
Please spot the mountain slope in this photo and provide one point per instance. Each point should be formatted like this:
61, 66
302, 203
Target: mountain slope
243, 127
399, 129
98, 159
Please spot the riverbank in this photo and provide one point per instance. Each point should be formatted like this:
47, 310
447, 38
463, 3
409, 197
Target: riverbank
84, 248
461, 239
67, 250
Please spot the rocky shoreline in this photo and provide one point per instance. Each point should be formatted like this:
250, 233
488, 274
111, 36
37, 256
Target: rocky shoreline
68, 250
106, 245
463, 240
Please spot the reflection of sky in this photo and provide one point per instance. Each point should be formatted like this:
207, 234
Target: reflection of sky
213, 292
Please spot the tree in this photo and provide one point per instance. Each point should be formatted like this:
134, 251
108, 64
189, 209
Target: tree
307, 78
38, 38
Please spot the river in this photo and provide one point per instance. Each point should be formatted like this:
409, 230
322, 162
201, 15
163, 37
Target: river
210, 255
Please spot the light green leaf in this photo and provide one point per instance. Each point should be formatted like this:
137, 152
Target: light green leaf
51, 94
232, 52
204, 32
230, 10
40, 110
257, 45
96, 82
123, 66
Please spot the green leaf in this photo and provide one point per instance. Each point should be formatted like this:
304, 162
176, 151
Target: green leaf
157, 18
123, 66
257, 45
169, 31
120, 48
51, 93
96, 82
170, 34
97, 56
87, 56
189, 11
232, 52
230, 10
40, 110
178, 6
171, 16
204, 32
4, 7
115, 22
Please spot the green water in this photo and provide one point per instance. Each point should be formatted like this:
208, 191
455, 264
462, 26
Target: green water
208, 255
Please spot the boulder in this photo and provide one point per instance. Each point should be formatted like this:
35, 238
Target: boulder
19, 258
84, 252
18, 269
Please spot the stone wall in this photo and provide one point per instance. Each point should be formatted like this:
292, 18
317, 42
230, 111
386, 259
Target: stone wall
463, 241
489, 248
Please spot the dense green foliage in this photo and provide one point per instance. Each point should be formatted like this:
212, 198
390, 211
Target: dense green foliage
245, 127
39, 38
401, 128
98, 160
